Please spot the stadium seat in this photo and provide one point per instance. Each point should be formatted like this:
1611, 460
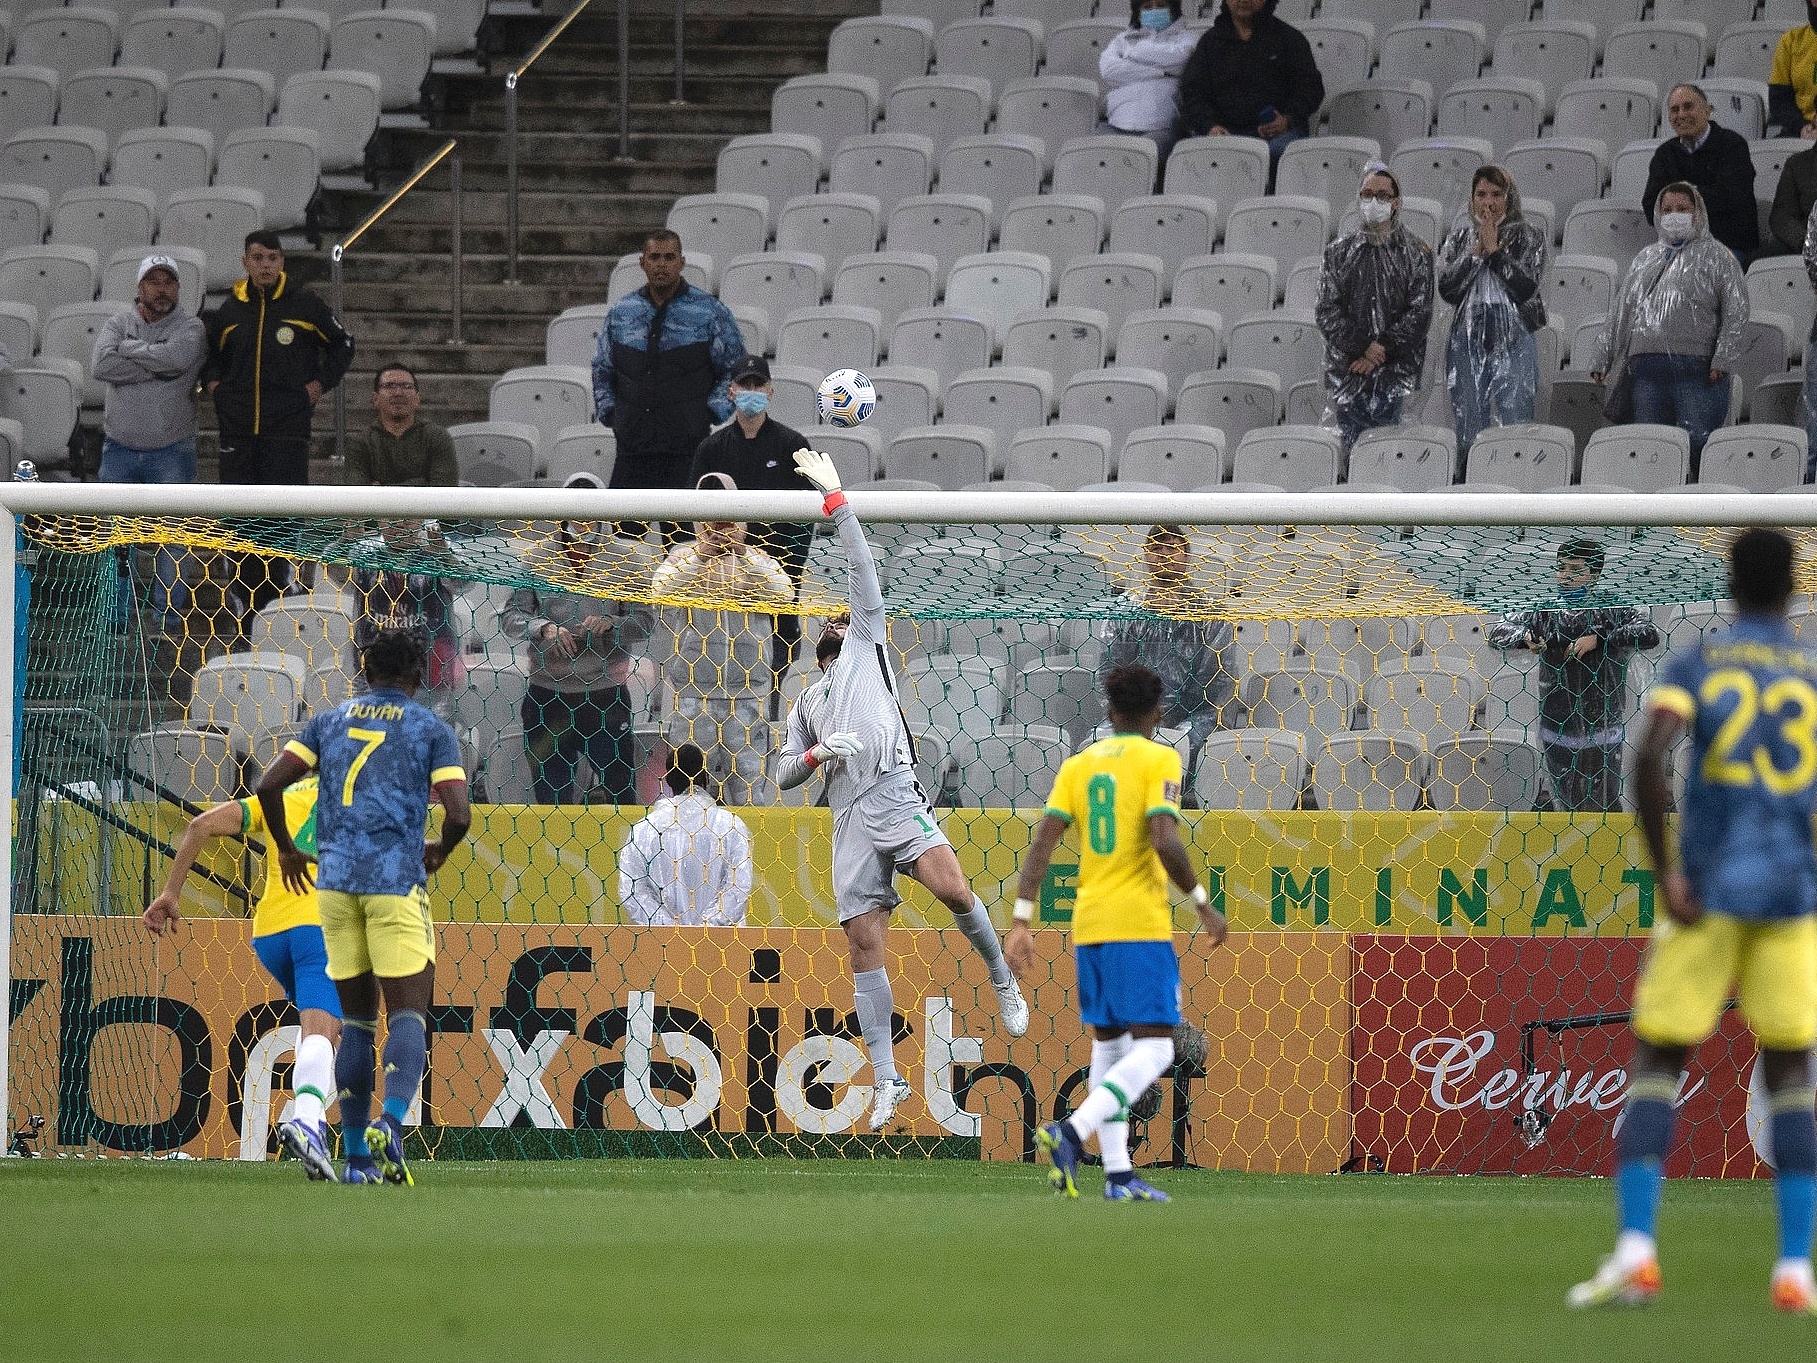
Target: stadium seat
105, 219
1001, 168
78, 38
775, 167
944, 340
999, 286
1177, 457
857, 453
284, 42
994, 50
831, 226
493, 701
889, 48
1758, 457
1062, 574
1178, 342
1234, 285
948, 456
795, 403
720, 225
1440, 168
175, 41
28, 98
1008, 766
113, 99
944, 226
1493, 15
831, 336
494, 453
1343, 47
55, 159
1061, 228
1115, 168
1376, 771
1555, 53
215, 222
1171, 227
1225, 170
1234, 400
1776, 400
1441, 52
1486, 772
45, 399
1389, 111
1327, 168
1576, 288
777, 282
163, 160
247, 696
1074, 47
1745, 49
1639, 457
119, 280
940, 108
1665, 53
1297, 458
280, 164
341, 106
1068, 698
220, 101
1779, 284
308, 629
1006, 400
1738, 103
1528, 457
1283, 227
24, 216
1116, 284
887, 166
197, 765
1611, 229
48, 277
69, 334
396, 45
1282, 343
1065, 457
1120, 400
1717, 15
1053, 109
1300, 697
1616, 110
1411, 458
1251, 769
1628, 172
1567, 171
550, 397
1384, 12
586, 447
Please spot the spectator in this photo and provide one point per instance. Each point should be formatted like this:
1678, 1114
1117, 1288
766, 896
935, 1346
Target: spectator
1181, 639
719, 669
578, 701
1793, 199
757, 453
424, 602
1490, 271
148, 356
1714, 159
663, 370
687, 862
1140, 72
1792, 83
1585, 638
1810, 369
273, 351
1252, 75
1375, 307
398, 450
1675, 334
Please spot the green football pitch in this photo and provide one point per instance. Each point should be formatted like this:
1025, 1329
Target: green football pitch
722, 1260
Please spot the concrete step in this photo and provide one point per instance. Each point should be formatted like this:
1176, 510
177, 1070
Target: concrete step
652, 172
651, 115
382, 335
538, 300
462, 94
428, 351
434, 273
584, 238
483, 147
430, 205
744, 24
588, 53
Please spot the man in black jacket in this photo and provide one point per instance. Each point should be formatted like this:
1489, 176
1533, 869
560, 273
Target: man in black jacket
1714, 159
1793, 201
1251, 75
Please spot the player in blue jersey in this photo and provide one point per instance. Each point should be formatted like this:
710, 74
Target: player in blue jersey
1741, 912
379, 755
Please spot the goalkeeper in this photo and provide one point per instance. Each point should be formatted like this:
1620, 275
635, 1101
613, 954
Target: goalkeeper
850, 726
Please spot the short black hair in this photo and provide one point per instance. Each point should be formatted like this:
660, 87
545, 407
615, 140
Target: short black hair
687, 768
396, 657
1584, 551
1133, 691
393, 367
263, 237
1760, 569
661, 234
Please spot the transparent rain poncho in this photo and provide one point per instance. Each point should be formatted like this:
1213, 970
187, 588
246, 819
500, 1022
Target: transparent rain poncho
1376, 285
1491, 358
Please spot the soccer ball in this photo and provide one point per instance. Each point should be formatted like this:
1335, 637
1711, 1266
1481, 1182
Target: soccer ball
846, 397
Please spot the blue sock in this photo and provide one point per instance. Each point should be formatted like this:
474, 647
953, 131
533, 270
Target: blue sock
1646, 1135
353, 1075
406, 1052
1795, 1183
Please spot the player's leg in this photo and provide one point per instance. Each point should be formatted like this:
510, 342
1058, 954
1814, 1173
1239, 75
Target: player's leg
306, 983
867, 935
930, 859
350, 968
401, 936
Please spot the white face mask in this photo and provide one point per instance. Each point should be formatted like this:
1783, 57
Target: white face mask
1676, 226
1374, 211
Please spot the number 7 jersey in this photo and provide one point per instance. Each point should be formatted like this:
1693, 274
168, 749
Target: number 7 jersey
378, 756
1107, 793
1749, 699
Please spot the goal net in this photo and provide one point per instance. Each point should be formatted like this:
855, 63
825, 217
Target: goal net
1404, 788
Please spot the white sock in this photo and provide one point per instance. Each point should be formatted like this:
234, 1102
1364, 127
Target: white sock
1113, 1136
312, 1078
1147, 1060
1634, 1248
1792, 1268
976, 924
872, 1002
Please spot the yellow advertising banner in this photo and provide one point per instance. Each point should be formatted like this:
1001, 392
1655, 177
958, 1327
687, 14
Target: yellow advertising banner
583, 1039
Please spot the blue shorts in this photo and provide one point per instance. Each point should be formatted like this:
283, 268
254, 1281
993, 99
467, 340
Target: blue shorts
298, 960
1128, 984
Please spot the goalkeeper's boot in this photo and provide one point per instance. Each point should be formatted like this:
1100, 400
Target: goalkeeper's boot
362, 1169
1128, 1188
1617, 1284
1057, 1139
386, 1139
308, 1145
1793, 1290
1012, 1008
886, 1097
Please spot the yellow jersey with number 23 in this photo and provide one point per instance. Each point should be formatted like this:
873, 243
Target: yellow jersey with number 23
1108, 793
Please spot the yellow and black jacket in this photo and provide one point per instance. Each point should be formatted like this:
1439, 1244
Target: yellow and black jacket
264, 348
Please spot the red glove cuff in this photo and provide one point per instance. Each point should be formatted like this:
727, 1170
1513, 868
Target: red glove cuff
810, 759
834, 500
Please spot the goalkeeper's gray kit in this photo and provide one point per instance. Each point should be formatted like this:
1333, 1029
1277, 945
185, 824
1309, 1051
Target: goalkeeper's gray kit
857, 695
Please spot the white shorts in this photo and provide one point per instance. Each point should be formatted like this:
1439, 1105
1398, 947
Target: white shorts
883, 831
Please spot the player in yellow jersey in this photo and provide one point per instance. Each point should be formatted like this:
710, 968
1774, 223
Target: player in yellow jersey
287, 936
1124, 792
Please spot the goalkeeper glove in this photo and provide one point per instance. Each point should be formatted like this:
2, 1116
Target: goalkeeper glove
836, 748
819, 470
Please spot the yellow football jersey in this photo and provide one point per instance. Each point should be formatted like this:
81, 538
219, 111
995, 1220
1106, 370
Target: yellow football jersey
278, 909
1108, 791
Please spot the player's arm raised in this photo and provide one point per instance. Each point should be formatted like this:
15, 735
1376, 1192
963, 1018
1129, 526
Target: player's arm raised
220, 822
1164, 837
1019, 947
865, 591
1665, 722
282, 773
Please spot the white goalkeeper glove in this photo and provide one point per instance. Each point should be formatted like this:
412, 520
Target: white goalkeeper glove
835, 748
818, 469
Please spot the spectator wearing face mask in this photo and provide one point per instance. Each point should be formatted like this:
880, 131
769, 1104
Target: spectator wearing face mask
1713, 159
1675, 333
1792, 83
1140, 72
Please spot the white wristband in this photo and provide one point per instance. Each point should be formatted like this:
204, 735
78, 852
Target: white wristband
1199, 897
1024, 911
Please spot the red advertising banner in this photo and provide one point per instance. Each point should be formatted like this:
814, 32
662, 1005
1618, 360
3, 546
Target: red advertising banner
1508, 1056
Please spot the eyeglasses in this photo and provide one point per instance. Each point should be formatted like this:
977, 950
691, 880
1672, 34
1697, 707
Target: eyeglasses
397, 388
1381, 196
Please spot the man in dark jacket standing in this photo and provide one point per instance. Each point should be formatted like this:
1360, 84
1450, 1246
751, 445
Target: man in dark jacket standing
1793, 201
663, 370
1714, 159
1252, 75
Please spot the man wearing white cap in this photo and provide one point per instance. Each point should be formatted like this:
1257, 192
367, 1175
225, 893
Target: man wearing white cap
149, 356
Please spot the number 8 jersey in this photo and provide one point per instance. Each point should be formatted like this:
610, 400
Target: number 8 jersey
1749, 699
378, 755
1107, 793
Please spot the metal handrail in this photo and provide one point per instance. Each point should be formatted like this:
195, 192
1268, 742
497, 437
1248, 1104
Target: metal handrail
448, 151
512, 225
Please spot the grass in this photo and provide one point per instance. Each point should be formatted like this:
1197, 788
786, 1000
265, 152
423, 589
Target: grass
758, 1260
